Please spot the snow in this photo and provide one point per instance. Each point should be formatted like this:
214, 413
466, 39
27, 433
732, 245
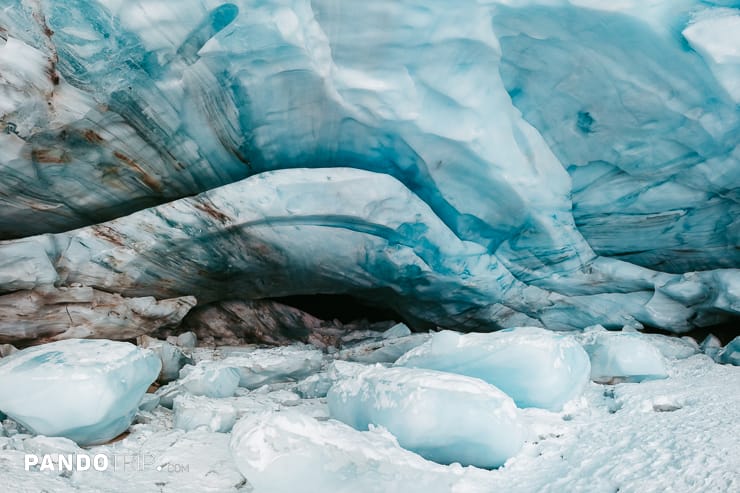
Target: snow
443, 417
85, 390
536, 367
671, 434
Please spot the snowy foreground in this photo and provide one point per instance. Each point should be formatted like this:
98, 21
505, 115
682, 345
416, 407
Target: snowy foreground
254, 419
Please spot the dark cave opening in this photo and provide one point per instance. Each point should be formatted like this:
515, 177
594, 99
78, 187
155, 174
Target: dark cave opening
343, 307
725, 332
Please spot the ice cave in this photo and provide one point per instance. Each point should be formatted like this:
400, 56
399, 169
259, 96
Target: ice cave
394, 246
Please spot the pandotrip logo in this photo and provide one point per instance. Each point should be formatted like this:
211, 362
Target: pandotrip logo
100, 462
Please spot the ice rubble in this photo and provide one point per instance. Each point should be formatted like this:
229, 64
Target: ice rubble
472, 422
514, 144
671, 434
85, 390
536, 367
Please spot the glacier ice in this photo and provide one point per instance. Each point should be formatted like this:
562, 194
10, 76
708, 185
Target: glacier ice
285, 451
172, 358
399, 254
194, 412
282, 364
383, 350
622, 356
443, 417
82, 312
535, 367
81, 389
730, 354
552, 177
209, 379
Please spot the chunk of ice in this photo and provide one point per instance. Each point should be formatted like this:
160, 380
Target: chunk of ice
536, 367
193, 412
281, 364
441, 416
82, 389
285, 452
730, 354
623, 357
384, 350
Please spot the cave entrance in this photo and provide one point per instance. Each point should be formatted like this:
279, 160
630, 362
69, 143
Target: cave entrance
343, 307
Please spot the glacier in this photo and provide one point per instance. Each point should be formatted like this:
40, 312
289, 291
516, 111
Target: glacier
548, 177
491, 173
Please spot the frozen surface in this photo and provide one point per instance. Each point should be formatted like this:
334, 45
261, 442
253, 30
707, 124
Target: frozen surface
671, 434
623, 356
443, 417
506, 169
536, 367
85, 390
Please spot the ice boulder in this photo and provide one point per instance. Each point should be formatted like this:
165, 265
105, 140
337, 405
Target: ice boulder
287, 451
385, 350
281, 364
623, 357
730, 354
193, 412
536, 367
209, 378
172, 357
443, 417
87, 390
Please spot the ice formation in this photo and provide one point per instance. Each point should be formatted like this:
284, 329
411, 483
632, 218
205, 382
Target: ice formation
441, 416
507, 170
194, 412
283, 364
623, 356
536, 367
730, 354
330, 456
85, 390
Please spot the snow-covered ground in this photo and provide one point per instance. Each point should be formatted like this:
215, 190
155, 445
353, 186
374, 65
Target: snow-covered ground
675, 434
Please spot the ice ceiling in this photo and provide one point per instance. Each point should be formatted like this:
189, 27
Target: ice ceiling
472, 164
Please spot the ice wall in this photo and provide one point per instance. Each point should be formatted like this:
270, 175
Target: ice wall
552, 139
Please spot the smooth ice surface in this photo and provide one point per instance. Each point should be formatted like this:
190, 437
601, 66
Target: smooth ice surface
536, 367
85, 390
441, 416
623, 356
